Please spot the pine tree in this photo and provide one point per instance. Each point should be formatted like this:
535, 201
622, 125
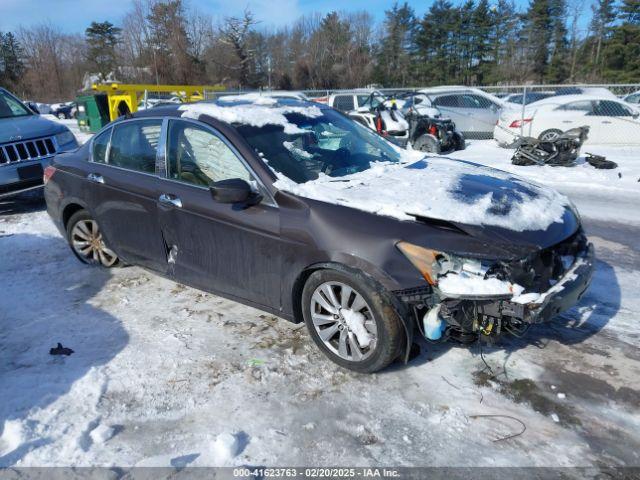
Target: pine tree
102, 39
435, 43
621, 54
481, 23
559, 65
539, 32
397, 45
11, 61
603, 17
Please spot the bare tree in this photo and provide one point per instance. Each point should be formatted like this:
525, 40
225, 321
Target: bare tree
235, 32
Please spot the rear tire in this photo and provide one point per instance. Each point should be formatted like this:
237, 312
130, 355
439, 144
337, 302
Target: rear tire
426, 143
550, 135
337, 305
85, 240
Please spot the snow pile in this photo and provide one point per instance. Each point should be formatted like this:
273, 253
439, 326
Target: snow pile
355, 322
254, 98
437, 188
12, 436
225, 448
101, 433
256, 113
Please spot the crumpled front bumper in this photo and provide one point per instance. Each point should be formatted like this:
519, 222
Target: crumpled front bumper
559, 298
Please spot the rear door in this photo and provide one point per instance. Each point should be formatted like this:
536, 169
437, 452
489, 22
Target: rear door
451, 106
215, 246
124, 188
572, 115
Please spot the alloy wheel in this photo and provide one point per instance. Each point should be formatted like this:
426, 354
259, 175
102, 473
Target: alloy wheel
549, 136
87, 242
344, 321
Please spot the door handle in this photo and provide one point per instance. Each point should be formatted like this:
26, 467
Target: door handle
567, 121
170, 200
606, 121
94, 177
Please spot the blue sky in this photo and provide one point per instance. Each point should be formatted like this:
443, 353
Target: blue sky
75, 15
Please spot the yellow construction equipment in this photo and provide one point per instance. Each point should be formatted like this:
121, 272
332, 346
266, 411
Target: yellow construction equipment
125, 98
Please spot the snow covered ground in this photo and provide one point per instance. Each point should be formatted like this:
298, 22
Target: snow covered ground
602, 194
166, 375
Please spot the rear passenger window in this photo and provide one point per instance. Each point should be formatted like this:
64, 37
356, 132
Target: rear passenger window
607, 108
446, 101
99, 149
134, 145
581, 106
344, 103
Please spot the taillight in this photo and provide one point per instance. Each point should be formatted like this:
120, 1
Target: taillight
48, 173
520, 123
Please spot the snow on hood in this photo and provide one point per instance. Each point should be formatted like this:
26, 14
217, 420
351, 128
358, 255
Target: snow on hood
440, 188
258, 112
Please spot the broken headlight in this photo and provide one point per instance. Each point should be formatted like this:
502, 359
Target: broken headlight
433, 264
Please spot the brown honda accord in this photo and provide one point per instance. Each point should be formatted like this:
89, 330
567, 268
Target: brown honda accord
293, 208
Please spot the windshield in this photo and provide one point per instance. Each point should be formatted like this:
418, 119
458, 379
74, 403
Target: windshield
372, 100
331, 144
11, 107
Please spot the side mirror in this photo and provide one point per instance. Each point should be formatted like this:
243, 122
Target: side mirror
234, 190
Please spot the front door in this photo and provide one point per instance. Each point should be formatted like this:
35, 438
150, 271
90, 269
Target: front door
122, 188
451, 107
614, 123
216, 246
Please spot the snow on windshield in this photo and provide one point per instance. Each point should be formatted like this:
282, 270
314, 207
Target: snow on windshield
435, 188
258, 113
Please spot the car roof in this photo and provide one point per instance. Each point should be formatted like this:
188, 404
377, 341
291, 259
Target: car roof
355, 91
176, 110
564, 99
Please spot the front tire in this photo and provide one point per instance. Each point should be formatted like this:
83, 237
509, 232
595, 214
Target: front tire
85, 240
351, 320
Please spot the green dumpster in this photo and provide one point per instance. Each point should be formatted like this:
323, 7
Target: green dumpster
93, 112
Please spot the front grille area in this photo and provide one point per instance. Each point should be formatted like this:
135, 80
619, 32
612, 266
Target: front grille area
541, 270
27, 150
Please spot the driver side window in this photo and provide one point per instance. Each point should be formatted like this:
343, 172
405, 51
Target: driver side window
199, 157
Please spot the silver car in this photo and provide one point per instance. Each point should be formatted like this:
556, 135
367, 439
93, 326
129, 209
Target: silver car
474, 112
28, 142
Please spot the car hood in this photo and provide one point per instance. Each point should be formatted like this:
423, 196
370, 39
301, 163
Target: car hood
478, 199
27, 127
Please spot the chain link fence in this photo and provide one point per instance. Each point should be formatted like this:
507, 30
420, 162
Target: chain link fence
506, 113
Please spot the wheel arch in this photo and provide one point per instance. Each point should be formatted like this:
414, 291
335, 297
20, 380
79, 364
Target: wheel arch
69, 209
400, 309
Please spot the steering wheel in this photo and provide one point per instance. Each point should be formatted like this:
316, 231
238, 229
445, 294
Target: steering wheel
337, 161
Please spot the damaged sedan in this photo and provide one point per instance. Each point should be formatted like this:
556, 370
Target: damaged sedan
295, 209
